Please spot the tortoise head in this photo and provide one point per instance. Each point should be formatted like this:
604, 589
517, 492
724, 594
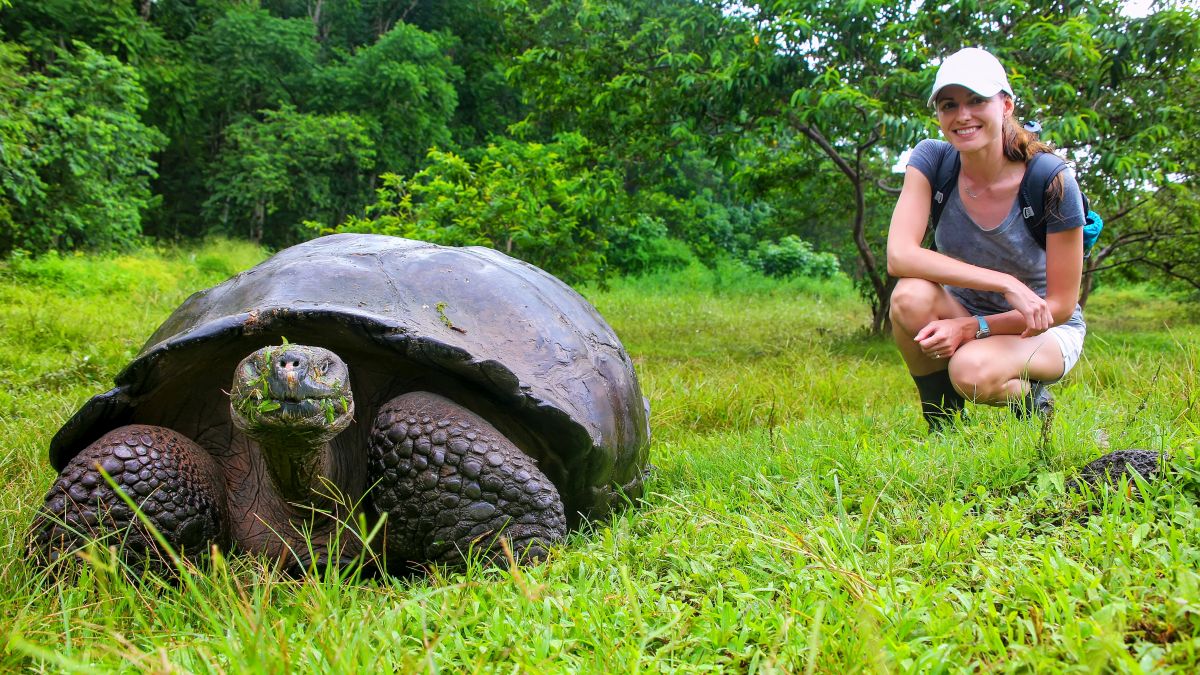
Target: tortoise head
291, 394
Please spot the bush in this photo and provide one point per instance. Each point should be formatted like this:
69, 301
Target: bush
549, 204
75, 158
644, 246
791, 256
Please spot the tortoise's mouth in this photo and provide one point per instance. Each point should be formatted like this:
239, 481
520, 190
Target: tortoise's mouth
312, 418
321, 411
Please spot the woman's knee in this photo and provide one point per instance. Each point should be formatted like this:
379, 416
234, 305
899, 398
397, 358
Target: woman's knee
977, 376
914, 299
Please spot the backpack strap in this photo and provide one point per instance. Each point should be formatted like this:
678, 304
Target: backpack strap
1038, 173
944, 180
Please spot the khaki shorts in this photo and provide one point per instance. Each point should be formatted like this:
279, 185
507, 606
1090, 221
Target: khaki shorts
1070, 343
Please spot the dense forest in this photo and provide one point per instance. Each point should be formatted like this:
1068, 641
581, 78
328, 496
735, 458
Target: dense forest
593, 138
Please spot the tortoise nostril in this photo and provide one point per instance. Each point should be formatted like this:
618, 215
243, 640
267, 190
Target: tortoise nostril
289, 362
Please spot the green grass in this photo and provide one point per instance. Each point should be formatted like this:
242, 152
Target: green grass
798, 519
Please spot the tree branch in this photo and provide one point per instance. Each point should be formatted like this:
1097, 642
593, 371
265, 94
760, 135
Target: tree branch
1124, 212
815, 136
887, 188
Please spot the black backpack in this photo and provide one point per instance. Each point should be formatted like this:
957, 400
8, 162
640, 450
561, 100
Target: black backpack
1039, 171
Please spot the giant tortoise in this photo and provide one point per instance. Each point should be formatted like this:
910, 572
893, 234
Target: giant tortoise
465, 397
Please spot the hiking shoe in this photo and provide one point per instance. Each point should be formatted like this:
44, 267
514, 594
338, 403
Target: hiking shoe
1037, 401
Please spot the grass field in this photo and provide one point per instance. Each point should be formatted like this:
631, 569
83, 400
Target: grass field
799, 519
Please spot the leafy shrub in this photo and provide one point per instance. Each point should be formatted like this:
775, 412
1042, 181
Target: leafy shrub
142, 270
703, 218
645, 246
791, 256
76, 158
79, 275
275, 172
549, 204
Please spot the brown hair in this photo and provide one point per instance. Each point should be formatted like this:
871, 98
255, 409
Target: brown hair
1020, 145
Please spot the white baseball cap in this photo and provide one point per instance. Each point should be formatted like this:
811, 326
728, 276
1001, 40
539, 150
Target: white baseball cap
973, 68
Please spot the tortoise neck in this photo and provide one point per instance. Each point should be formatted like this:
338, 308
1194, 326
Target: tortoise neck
303, 473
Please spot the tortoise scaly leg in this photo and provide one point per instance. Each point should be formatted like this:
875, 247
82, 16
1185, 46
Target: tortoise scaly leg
173, 481
449, 483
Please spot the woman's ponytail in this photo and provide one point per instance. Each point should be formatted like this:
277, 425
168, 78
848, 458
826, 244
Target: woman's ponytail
1020, 145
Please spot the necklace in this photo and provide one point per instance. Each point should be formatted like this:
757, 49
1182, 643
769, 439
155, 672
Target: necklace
970, 194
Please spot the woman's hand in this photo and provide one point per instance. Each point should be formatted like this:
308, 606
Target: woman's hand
940, 339
1032, 307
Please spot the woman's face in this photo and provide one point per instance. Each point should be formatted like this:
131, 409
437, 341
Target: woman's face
970, 121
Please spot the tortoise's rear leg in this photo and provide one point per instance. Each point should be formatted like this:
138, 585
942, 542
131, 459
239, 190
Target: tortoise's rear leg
449, 482
173, 481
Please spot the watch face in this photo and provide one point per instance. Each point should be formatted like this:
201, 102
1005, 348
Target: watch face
980, 334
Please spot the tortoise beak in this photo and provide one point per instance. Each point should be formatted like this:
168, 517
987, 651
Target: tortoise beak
288, 369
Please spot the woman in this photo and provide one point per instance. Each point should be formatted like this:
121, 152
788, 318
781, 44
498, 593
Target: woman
989, 315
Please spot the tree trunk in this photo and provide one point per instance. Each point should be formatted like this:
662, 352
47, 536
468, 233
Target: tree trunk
314, 13
881, 320
881, 283
257, 224
1085, 288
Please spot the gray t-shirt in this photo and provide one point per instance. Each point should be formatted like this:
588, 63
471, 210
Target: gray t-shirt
1008, 247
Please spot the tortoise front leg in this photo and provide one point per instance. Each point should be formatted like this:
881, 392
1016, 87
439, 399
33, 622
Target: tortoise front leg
171, 479
449, 482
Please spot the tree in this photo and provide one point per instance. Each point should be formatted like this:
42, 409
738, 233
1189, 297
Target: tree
81, 177
19, 182
275, 173
401, 88
112, 28
553, 205
664, 88
659, 81
397, 86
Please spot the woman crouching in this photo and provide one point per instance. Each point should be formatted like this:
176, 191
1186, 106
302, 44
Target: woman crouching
988, 314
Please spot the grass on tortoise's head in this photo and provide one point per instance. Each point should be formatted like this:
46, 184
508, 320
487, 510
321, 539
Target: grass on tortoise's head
798, 519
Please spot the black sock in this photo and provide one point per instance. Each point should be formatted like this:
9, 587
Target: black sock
940, 401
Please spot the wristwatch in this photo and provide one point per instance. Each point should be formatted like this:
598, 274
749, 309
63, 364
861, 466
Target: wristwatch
983, 331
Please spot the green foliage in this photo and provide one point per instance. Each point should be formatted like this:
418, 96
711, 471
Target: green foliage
289, 167
80, 175
401, 88
639, 243
550, 204
792, 256
386, 97
250, 61
112, 28
18, 175
716, 125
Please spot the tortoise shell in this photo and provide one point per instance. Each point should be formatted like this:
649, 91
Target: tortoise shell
497, 335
